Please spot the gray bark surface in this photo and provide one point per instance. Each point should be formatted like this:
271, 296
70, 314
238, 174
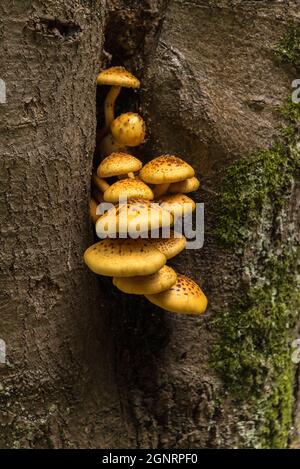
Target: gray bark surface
88, 366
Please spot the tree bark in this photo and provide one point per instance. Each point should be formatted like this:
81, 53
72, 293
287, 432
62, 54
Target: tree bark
86, 365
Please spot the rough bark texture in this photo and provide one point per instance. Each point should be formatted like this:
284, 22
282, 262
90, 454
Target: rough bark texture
89, 367
58, 387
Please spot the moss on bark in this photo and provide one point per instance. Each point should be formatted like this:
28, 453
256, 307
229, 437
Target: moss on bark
288, 48
253, 353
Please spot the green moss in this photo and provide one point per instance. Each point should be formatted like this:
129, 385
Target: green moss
288, 48
261, 178
253, 353
249, 185
291, 112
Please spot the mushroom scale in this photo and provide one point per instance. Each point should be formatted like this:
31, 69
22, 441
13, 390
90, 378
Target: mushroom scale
117, 164
117, 76
128, 129
123, 258
184, 297
179, 205
166, 169
127, 188
136, 217
149, 284
184, 187
171, 246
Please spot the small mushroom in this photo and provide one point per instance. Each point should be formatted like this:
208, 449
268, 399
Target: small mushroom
164, 170
179, 205
130, 188
119, 164
123, 258
184, 187
128, 129
149, 284
171, 246
116, 77
137, 216
185, 297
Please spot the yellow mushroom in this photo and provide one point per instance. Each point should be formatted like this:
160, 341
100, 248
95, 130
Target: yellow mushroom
116, 77
123, 258
171, 246
119, 164
136, 217
184, 187
149, 284
128, 129
164, 170
184, 297
179, 205
129, 188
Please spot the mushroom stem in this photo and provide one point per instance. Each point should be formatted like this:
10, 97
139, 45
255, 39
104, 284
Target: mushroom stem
109, 107
160, 189
108, 146
126, 176
100, 183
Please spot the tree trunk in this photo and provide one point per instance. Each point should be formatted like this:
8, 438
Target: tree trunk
87, 366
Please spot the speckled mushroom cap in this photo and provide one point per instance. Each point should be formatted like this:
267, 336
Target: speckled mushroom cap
149, 284
118, 163
184, 187
171, 246
185, 297
117, 76
127, 188
128, 129
123, 258
177, 204
135, 217
166, 169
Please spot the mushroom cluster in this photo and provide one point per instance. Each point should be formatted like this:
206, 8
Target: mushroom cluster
130, 250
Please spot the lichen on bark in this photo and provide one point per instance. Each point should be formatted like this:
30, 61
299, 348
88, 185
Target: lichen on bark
253, 353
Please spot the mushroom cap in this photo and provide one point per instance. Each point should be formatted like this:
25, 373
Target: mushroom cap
93, 210
185, 297
177, 204
123, 258
118, 163
127, 188
129, 129
166, 169
188, 185
117, 76
136, 216
163, 279
170, 247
